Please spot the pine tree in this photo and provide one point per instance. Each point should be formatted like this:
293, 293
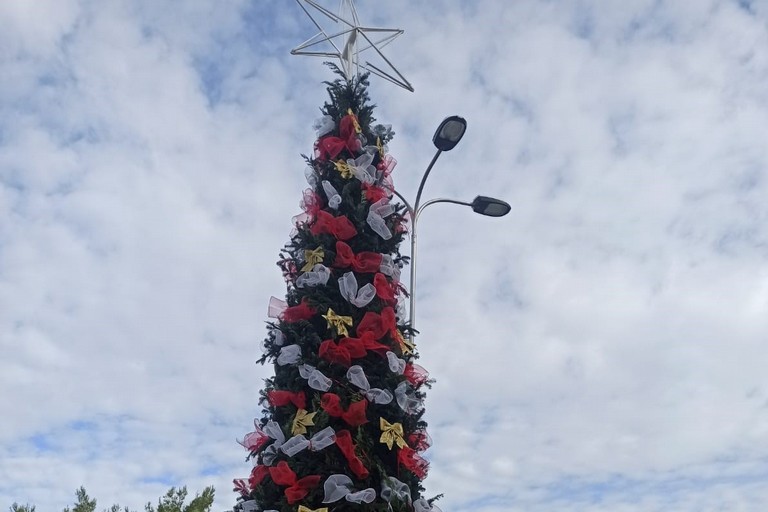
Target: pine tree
341, 424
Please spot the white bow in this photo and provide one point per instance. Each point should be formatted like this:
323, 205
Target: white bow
422, 505
362, 169
317, 276
334, 199
311, 176
323, 125
376, 215
276, 307
356, 376
317, 442
249, 506
396, 365
315, 378
290, 354
391, 487
348, 289
388, 267
337, 487
406, 400
279, 337
274, 431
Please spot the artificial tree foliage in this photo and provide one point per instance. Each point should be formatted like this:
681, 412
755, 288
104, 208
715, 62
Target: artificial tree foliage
319, 335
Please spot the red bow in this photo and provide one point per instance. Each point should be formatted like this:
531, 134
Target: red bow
254, 440
297, 489
350, 348
295, 313
347, 447
257, 475
354, 415
374, 193
340, 227
415, 374
361, 262
330, 146
241, 486
420, 440
384, 289
378, 324
413, 462
343, 353
279, 398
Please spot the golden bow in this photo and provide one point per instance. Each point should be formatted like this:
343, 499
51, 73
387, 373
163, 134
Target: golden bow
338, 322
380, 147
343, 168
391, 433
355, 123
406, 344
302, 508
312, 258
301, 421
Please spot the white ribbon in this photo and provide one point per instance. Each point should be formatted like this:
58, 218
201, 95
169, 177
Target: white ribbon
315, 378
279, 337
274, 431
348, 288
319, 275
400, 313
422, 505
405, 399
396, 365
311, 176
362, 169
317, 442
323, 125
391, 487
337, 487
290, 354
334, 199
376, 215
249, 506
276, 307
389, 267
356, 376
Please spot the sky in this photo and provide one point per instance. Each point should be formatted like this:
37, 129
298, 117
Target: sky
601, 348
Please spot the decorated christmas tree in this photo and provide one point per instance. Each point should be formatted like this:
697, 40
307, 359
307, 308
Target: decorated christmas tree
341, 427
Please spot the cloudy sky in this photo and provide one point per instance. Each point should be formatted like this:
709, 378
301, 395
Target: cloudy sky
602, 348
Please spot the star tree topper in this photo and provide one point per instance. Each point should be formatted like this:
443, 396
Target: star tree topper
349, 40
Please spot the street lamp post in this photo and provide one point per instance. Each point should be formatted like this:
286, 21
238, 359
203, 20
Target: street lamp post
447, 135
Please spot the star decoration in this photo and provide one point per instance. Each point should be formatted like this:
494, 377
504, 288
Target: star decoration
343, 42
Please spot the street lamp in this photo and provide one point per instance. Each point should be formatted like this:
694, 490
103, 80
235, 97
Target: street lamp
447, 135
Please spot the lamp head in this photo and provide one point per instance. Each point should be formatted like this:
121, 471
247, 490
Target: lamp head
490, 206
449, 133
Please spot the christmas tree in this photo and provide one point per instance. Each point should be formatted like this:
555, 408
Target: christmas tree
341, 426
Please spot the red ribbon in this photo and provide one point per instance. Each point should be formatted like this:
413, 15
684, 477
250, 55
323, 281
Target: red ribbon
241, 486
340, 227
295, 313
419, 440
415, 374
254, 440
330, 146
413, 462
347, 447
354, 415
257, 475
279, 398
384, 289
361, 262
374, 193
378, 324
343, 353
297, 489
350, 348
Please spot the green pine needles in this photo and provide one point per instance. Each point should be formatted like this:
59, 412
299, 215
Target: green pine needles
341, 425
